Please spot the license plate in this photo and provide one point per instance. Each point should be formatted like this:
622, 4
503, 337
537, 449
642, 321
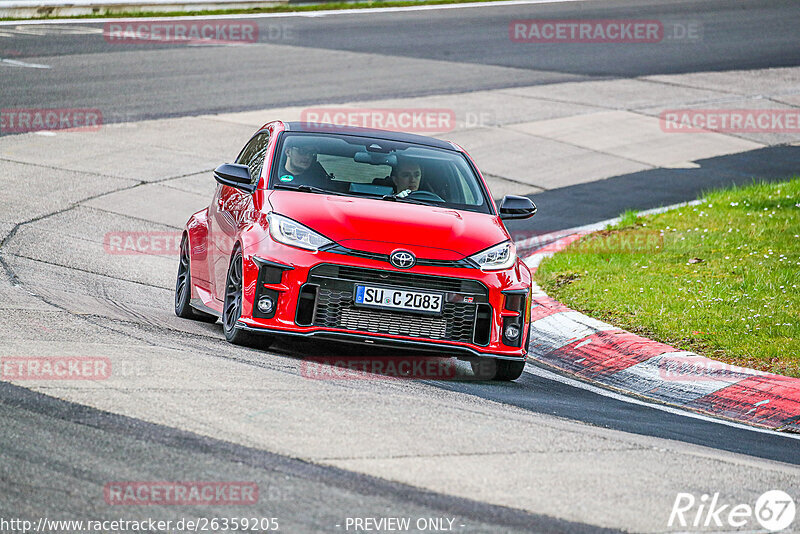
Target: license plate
399, 299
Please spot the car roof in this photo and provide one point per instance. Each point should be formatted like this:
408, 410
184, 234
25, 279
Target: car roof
402, 137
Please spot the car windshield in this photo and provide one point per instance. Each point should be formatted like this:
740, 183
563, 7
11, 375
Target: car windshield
377, 168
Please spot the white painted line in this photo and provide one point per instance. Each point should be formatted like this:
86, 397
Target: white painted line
549, 375
52, 30
15, 63
321, 13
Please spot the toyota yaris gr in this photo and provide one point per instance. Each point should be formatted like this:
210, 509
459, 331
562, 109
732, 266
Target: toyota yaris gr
359, 235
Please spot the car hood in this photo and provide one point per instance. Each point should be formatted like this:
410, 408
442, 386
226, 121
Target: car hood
383, 226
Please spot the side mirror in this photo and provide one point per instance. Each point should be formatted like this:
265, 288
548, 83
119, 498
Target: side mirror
234, 175
514, 207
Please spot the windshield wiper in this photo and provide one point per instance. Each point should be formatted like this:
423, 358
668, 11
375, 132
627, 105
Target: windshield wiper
394, 198
306, 189
318, 190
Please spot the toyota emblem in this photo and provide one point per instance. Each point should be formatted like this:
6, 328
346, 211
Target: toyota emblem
402, 259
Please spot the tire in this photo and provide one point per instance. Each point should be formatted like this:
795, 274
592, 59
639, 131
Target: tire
497, 370
232, 309
183, 289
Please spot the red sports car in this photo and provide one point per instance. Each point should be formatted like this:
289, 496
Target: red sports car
362, 235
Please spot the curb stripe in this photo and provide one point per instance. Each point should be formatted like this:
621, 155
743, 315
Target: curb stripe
606, 353
545, 306
593, 350
560, 329
655, 379
767, 400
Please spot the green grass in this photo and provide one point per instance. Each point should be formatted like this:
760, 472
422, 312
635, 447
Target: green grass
628, 218
720, 279
256, 10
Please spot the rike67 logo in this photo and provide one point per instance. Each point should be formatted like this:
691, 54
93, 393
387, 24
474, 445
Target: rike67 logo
774, 511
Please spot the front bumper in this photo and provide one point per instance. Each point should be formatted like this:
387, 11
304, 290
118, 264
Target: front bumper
313, 292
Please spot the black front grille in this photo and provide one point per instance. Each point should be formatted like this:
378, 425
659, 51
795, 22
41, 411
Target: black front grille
335, 306
395, 278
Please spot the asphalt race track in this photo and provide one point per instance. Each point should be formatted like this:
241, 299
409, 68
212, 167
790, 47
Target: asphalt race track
304, 60
572, 125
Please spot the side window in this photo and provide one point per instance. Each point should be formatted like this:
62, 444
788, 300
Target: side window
470, 192
253, 155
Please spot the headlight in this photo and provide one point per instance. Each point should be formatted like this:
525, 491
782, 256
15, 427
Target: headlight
285, 230
498, 257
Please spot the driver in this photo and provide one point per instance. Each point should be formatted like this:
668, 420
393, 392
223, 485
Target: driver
301, 167
406, 177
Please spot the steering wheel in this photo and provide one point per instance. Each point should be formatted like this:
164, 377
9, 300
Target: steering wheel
425, 195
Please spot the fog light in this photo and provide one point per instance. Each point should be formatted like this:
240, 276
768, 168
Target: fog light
265, 304
512, 332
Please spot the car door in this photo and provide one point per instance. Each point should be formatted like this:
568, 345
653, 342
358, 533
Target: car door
228, 211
